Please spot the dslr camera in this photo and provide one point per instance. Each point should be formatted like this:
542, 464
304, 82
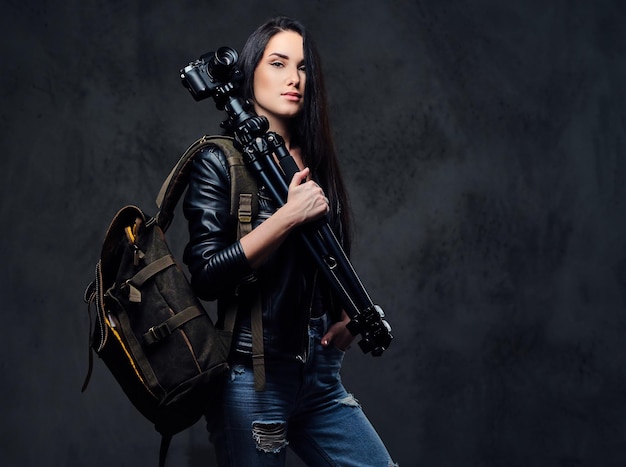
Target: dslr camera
207, 76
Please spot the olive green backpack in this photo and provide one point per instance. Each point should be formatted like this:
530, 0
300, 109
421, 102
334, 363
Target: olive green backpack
149, 328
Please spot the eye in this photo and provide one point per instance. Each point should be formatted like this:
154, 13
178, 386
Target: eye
277, 64
302, 68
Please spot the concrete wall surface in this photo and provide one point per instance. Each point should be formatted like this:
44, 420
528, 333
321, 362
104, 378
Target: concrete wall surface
484, 148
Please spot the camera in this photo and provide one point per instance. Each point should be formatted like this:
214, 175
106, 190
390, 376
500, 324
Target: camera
204, 77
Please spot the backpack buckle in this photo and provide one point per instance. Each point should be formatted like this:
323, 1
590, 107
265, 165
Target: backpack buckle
244, 213
156, 334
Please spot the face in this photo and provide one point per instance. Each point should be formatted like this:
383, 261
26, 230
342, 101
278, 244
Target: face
279, 78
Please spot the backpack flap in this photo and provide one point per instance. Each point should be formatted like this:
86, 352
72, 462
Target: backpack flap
106, 272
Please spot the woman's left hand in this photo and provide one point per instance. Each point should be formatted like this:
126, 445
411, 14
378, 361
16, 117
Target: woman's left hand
338, 335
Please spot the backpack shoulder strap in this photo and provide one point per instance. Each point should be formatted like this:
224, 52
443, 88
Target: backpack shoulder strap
244, 201
244, 205
242, 182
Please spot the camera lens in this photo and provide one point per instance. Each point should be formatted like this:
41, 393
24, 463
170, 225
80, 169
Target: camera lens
225, 56
222, 64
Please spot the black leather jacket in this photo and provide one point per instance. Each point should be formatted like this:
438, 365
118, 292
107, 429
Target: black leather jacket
219, 268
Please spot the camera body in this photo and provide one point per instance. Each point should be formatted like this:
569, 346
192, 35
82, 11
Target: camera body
207, 76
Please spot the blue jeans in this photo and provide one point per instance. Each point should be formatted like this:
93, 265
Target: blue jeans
304, 406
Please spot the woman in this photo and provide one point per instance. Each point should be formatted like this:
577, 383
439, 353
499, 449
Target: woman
303, 404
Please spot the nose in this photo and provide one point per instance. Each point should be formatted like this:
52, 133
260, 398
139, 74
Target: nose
294, 77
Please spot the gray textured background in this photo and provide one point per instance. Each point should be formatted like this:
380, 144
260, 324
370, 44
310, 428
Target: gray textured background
483, 142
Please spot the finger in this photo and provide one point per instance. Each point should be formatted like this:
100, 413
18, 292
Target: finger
299, 177
327, 339
326, 205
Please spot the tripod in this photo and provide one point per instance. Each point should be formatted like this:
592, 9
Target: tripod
266, 155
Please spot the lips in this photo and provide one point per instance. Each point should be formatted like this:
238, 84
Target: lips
294, 96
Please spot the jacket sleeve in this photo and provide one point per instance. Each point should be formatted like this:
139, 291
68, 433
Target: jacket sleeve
214, 256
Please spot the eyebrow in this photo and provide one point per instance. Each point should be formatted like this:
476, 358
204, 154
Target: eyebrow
283, 56
286, 57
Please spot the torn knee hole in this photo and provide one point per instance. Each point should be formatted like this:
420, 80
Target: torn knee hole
349, 400
270, 436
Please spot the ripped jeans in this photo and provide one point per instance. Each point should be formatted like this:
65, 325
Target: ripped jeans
304, 406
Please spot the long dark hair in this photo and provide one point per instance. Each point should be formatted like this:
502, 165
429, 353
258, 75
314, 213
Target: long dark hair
311, 128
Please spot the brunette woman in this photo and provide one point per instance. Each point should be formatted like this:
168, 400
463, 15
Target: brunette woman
303, 404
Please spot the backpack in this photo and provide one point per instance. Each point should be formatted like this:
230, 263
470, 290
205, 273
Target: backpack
150, 329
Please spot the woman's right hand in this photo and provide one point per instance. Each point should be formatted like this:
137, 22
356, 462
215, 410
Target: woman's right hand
306, 200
